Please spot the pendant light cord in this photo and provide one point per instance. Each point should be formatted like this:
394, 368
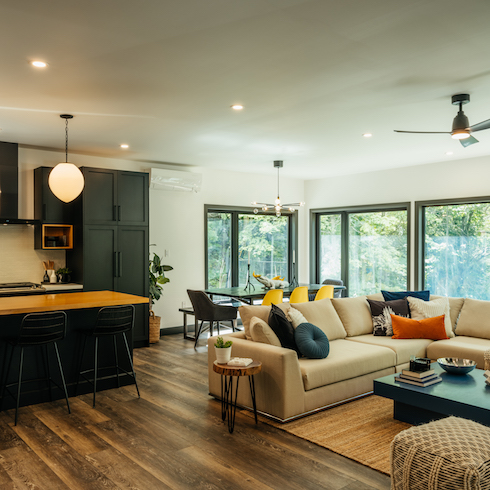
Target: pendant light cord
66, 140
278, 168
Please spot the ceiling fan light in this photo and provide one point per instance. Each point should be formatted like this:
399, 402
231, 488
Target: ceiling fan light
460, 134
66, 181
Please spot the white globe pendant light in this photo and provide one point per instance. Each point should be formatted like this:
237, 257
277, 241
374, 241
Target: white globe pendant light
66, 180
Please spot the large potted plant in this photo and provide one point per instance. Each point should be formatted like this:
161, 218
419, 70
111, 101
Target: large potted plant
157, 279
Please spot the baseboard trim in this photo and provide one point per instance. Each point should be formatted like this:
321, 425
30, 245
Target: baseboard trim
171, 331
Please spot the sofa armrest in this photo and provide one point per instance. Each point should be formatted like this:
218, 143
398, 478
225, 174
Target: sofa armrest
279, 386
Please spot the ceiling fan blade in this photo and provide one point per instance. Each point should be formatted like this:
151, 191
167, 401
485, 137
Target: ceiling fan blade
468, 141
480, 126
422, 132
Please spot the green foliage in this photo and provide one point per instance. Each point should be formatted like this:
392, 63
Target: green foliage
264, 237
63, 270
221, 344
377, 250
157, 277
457, 250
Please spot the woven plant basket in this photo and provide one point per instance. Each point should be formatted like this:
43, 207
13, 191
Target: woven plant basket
154, 328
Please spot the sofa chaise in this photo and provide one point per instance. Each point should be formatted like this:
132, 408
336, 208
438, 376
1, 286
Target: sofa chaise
289, 387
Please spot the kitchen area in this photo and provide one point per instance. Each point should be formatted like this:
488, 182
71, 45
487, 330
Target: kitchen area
34, 246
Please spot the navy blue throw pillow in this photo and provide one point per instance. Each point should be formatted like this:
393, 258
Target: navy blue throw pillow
392, 295
311, 341
283, 328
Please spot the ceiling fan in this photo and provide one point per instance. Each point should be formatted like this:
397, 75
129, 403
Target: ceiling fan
461, 126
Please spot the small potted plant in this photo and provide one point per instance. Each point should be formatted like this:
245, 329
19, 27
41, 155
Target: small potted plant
223, 350
157, 279
63, 274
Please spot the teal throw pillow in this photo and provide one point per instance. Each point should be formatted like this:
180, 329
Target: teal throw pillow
311, 341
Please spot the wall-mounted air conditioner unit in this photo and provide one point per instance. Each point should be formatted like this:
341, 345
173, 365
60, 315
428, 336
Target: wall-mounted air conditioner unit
175, 180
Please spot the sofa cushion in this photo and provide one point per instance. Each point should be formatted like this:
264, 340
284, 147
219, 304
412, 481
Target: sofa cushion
420, 309
403, 348
261, 332
355, 315
381, 311
322, 314
345, 360
262, 312
455, 305
474, 320
311, 341
460, 346
428, 328
391, 295
375, 297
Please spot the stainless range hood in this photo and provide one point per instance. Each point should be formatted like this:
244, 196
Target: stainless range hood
9, 184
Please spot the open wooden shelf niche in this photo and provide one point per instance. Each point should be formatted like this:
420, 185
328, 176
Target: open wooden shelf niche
57, 237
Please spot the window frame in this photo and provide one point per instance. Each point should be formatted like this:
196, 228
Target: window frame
344, 212
420, 229
235, 211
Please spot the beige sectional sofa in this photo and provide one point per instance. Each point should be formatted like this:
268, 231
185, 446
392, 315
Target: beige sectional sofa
289, 387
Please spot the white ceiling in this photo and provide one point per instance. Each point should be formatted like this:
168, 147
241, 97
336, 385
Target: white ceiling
313, 76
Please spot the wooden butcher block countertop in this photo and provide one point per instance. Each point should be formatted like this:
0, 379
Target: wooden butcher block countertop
16, 305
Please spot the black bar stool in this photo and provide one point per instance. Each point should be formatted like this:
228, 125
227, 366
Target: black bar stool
111, 321
37, 329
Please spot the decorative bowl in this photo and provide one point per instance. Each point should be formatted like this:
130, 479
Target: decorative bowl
454, 365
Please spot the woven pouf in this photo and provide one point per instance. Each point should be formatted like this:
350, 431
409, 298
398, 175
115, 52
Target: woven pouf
448, 454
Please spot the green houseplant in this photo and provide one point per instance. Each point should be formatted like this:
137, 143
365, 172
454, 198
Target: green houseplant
157, 279
223, 350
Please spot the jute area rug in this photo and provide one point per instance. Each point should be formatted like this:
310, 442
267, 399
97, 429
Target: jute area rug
361, 430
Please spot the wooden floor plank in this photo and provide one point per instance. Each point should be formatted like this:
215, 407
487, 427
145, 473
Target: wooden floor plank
171, 437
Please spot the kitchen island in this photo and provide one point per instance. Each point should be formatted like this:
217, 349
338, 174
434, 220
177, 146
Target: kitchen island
81, 309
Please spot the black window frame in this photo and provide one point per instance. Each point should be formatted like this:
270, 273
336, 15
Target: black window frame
420, 229
344, 212
235, 211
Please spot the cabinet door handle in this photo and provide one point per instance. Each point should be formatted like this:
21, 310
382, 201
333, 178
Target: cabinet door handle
114, 214
44, 212
120, 264
115, 265
119, 213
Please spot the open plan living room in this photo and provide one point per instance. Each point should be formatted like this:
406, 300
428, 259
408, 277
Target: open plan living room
245, 244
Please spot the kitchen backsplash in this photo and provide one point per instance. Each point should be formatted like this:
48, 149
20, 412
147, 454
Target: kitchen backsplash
19, 262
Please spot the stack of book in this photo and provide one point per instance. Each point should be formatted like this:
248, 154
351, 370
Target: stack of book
487, 376
425, 378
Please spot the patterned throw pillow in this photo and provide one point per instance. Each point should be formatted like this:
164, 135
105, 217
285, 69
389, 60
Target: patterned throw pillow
428, 309
295, 317
381, 312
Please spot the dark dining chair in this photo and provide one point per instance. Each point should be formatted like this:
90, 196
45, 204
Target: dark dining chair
207, 311
36, 330
335, 282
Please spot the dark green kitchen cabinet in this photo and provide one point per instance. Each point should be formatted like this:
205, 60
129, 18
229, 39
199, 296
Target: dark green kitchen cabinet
47, 207
112, 219
115, 197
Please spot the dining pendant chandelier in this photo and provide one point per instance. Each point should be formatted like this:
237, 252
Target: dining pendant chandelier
277, 206
66, 180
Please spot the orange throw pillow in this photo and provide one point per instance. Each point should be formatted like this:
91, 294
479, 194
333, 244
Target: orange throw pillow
428, 328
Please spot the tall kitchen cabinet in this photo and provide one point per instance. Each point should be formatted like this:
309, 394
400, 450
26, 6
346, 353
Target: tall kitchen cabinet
111, 217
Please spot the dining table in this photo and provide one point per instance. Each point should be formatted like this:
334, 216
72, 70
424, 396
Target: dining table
249, 294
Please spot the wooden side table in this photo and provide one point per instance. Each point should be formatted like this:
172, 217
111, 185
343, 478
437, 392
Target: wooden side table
228, 404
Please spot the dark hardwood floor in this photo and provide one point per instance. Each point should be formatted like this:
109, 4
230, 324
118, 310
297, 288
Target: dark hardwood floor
172, 437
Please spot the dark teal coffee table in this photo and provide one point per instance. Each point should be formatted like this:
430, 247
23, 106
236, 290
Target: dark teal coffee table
464, 396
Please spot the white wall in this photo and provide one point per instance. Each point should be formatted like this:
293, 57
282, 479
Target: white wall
442, 180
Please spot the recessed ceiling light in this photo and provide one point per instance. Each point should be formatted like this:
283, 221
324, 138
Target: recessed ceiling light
237, 107
367, 135
124, 145
449, 153
39, 64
